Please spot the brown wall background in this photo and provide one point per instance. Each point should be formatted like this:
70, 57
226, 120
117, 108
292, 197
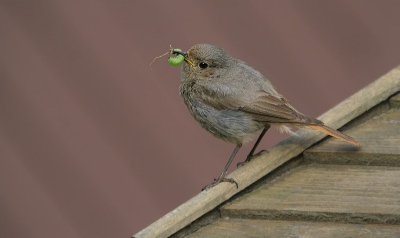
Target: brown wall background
95, 144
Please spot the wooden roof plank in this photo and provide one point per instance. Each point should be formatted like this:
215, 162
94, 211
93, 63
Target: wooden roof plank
395, 101
270, 228
344, 193
380, 139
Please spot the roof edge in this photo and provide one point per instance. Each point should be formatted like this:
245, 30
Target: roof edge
373, 94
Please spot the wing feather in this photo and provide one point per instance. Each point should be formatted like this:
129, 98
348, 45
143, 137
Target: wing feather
262, 106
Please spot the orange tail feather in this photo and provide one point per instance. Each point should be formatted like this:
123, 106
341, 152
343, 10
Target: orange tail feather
334, 133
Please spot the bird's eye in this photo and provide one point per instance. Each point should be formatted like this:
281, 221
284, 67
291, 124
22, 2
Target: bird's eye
203, 65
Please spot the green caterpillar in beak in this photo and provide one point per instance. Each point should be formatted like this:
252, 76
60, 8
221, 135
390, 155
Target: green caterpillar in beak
175, 61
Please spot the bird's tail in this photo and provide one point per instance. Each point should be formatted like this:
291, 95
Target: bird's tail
334, 133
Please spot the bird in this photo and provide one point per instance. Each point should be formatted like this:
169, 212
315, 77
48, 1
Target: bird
233, 101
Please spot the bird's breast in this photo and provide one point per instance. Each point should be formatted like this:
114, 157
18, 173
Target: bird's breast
229, 125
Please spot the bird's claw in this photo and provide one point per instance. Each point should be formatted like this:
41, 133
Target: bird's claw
250, 157
219, 180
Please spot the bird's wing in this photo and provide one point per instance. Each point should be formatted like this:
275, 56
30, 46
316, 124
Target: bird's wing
261, 105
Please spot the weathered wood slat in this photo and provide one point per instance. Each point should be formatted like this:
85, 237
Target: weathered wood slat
204, 202
380, 140
344, 193
395, 101
269, 228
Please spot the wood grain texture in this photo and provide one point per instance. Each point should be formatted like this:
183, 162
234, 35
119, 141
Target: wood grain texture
344, 193
395, 101
204, 202
380, 139
267, 228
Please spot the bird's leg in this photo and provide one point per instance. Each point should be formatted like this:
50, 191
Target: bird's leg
251, 154
222, 178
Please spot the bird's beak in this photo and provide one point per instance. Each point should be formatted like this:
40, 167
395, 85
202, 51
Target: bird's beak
185, 55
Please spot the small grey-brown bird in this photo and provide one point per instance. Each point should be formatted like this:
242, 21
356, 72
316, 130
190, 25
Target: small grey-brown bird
232, 101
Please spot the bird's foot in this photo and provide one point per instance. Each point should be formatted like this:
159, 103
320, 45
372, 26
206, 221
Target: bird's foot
250, 157
219, 180
240, 164
261, 152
